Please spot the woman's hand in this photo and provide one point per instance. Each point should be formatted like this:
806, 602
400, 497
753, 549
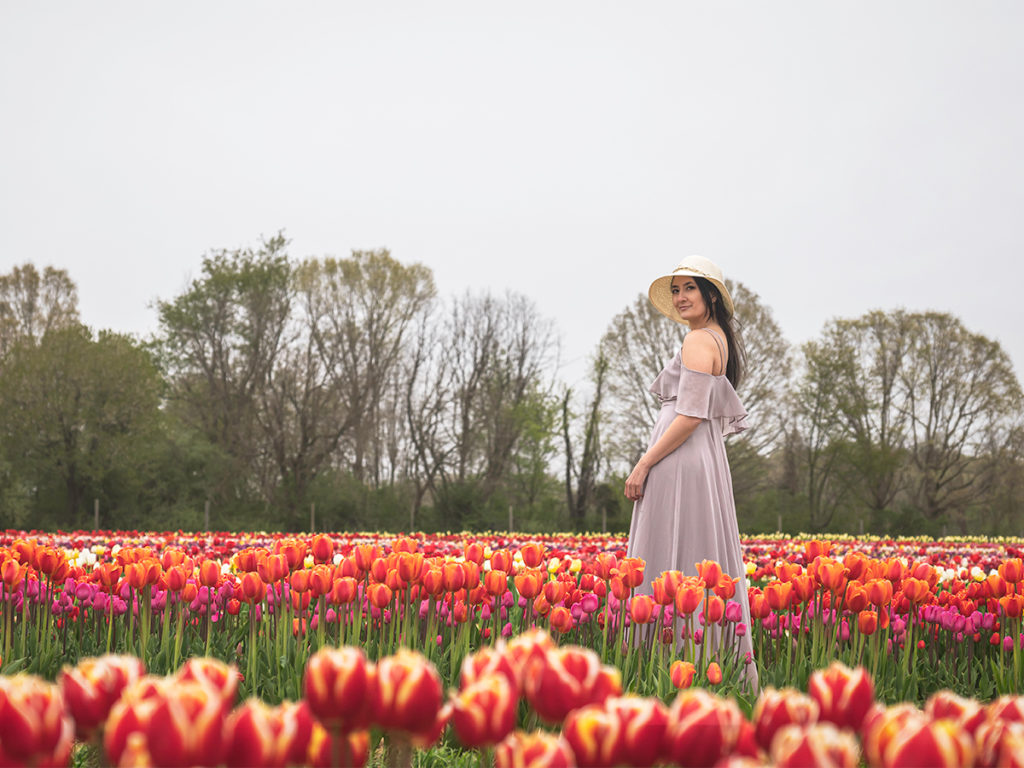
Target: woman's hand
635, 482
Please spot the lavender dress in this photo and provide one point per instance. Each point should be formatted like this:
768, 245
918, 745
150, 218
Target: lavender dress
687, 513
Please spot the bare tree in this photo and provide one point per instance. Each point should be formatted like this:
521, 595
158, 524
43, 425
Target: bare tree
961, 395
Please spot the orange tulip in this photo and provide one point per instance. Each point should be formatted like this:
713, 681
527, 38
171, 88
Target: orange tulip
631, 569
830, 574
606, 563
917, 591
561, 619
501, 560
533, 554
496, 583
175, 578
554, 592
641, 609
759, 608
321, 580
856, 597
784, 570
272, 568
365, 555
689, 594
867, 622
726, 587
453, 576
171, 557
779, 595
410, 566
714, 610
433, 581
294, 551
209, 573
879, 592
804, 588
473, 552
245, 560
252, 588
472, 573
714, 673
343, 591
816, 548
1012, 571
997, 585
529, 583
380, 595
709, 572
1012, 605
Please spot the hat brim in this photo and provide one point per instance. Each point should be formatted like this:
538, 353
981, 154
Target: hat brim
660, 293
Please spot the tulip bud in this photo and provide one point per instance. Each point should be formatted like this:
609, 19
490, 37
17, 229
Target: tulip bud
778, 708
714, 673
219, 676
488, 660
843, 695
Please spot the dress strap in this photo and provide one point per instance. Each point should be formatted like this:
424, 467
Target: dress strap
719, 342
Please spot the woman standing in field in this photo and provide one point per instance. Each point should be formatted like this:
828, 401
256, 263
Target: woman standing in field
684, 512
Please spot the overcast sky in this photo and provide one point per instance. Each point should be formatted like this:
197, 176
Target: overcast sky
834, 157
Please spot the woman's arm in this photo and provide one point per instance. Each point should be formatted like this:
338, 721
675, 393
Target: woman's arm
676, 434
699, 354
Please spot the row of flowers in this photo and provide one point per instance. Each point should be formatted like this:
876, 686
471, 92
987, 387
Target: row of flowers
262, 605
351, 704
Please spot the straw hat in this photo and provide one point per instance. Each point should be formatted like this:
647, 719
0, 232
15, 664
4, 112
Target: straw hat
692, 266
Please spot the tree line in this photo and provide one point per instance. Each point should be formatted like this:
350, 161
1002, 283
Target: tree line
345, 392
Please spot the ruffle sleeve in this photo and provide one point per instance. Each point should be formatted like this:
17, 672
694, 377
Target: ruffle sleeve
710, 397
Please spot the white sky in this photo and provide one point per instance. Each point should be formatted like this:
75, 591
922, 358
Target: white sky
835, 157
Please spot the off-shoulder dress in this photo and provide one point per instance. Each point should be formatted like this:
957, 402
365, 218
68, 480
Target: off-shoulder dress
687, 513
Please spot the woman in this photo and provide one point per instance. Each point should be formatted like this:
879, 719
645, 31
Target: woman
684, 511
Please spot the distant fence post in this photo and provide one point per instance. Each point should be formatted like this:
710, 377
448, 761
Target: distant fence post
312, 517
95, 514
604, 519
510, 527
779, 529
206, 515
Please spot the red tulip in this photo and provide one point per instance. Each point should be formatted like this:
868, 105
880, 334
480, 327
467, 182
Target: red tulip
945, 704
221, 677
323, 548
539, 749
561, 619
486, 661
778, 708
484, 712
33, 726
326, 749
689, 593
779, 595
496, 583
252, 588
336, 684
406, 695
818, 744
343, 591
843, 695
644, 721
922, 741
999, 743
501, 560
704, 728
714, 673
91, 687
594, 734
565, 678
253, 737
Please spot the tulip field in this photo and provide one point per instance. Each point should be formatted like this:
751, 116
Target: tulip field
136, 648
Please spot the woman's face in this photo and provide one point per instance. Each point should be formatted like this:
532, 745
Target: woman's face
687, 298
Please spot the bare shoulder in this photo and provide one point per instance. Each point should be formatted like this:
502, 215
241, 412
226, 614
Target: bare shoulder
700, 353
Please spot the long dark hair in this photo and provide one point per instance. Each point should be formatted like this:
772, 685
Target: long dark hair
717, 311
